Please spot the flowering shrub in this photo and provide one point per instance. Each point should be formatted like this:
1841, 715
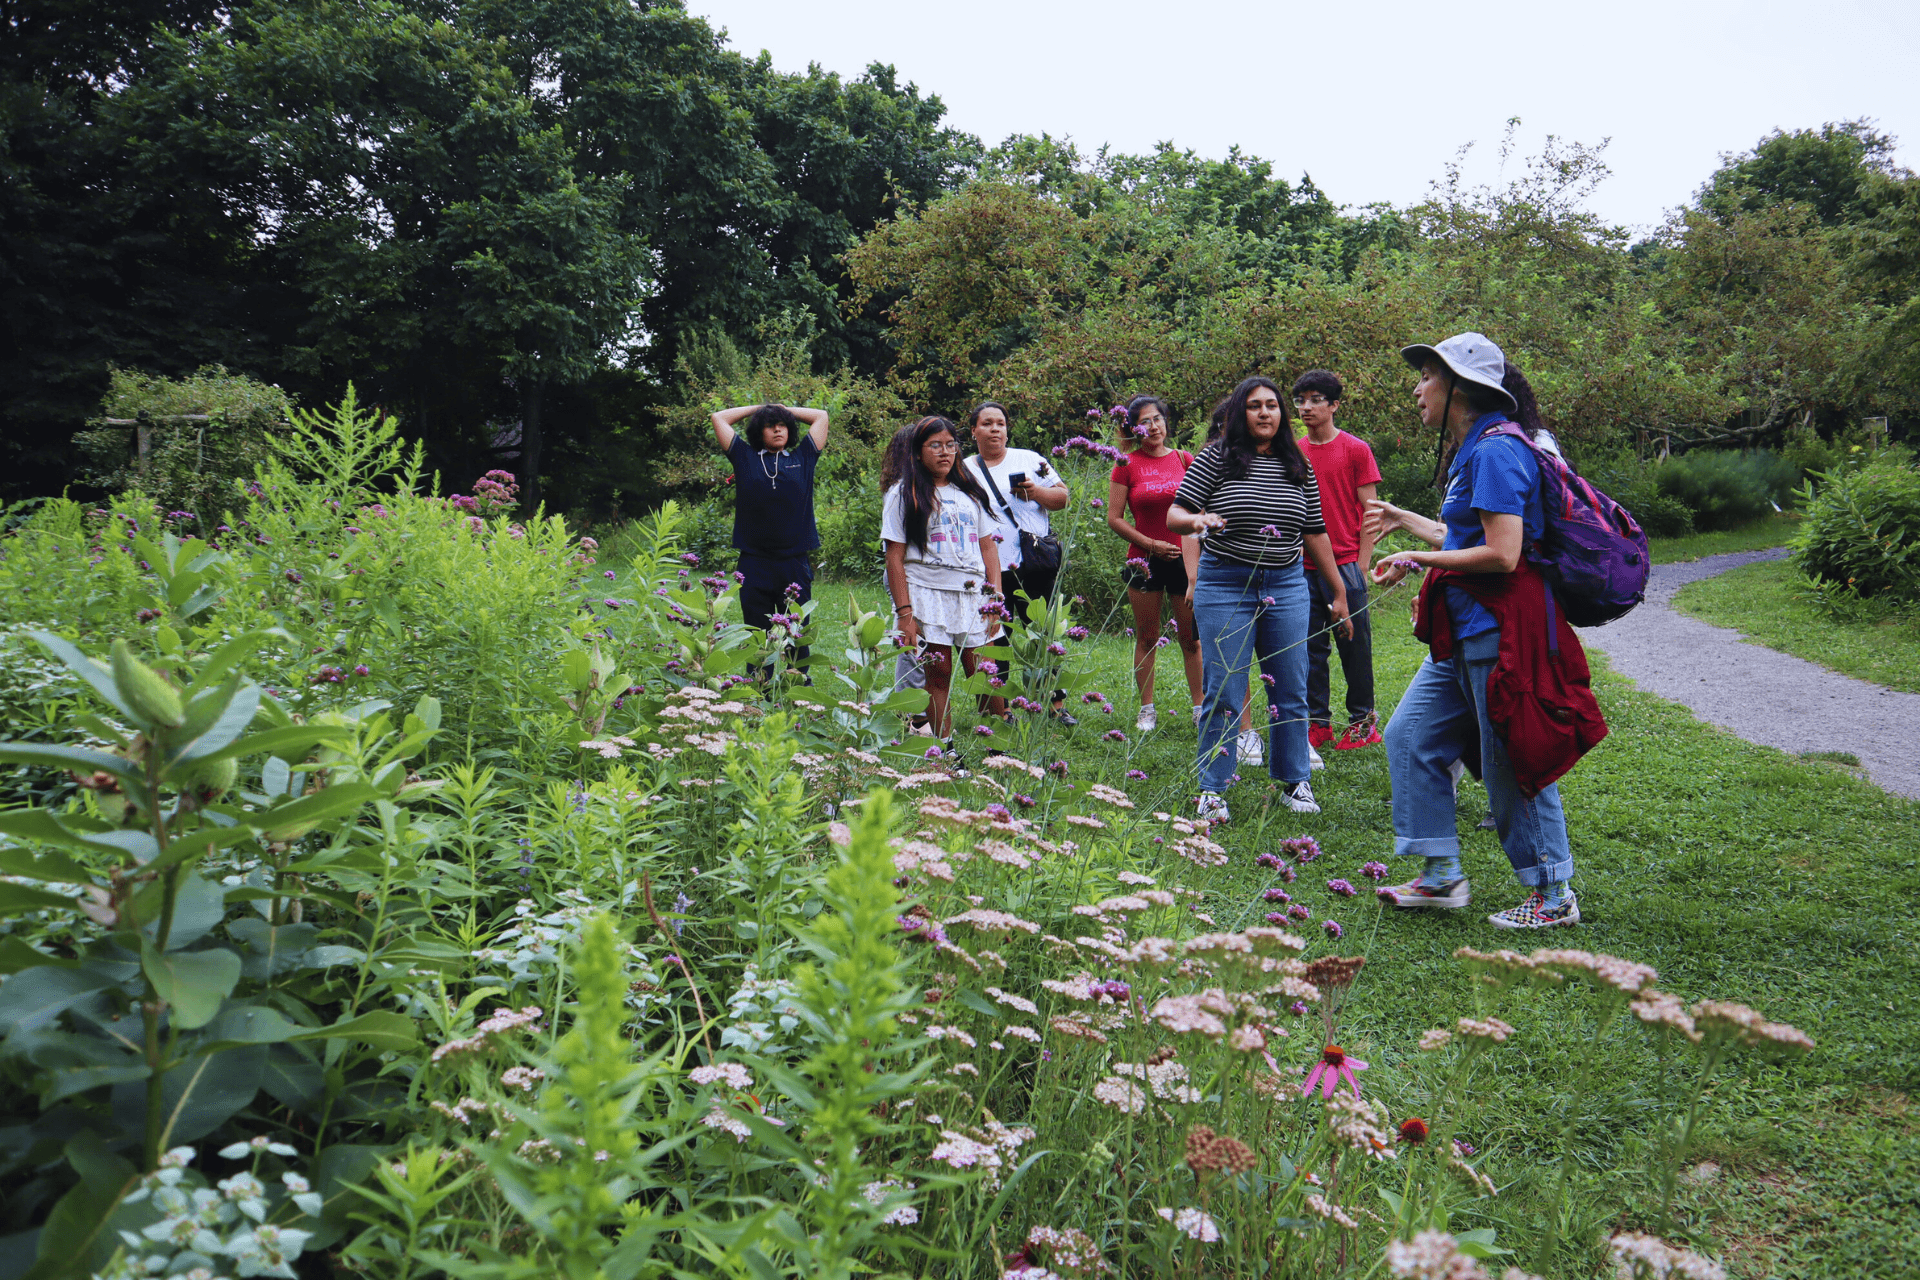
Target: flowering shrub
625, 952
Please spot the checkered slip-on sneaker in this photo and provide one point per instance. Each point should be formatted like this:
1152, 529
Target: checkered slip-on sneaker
1451, 896
1534, 914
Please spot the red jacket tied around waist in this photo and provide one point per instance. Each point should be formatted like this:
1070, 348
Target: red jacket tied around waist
1539, 693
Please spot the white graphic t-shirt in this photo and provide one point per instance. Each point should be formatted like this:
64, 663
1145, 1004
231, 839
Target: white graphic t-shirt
953, 532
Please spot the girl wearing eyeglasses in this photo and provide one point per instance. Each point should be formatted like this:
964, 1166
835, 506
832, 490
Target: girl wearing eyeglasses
943, 569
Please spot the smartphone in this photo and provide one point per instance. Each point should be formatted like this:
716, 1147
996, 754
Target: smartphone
1017, 479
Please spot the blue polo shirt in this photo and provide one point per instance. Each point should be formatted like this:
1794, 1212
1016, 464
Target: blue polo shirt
773, 498
1497, 474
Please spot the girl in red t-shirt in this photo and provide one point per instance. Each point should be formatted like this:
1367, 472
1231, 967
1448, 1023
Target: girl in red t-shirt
1144, 484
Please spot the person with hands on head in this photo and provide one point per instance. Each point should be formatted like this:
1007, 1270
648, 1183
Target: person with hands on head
1251, 497
1143, 484
943, 569
1024, 490
773, 525
1492, 508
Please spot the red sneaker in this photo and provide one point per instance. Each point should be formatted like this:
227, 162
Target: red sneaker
1362, 734
1319, 735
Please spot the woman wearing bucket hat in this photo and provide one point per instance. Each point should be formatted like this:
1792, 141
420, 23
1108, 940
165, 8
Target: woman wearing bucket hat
1491, 509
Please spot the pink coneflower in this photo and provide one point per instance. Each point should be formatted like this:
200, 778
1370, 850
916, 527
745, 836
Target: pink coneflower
1334, 1065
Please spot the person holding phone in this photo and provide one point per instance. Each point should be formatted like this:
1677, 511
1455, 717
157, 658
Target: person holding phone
1024, 491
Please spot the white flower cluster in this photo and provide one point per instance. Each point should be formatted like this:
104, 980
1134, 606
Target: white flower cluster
203, 1230
766, 1016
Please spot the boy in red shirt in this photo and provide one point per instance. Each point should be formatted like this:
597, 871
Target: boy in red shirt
1349, 478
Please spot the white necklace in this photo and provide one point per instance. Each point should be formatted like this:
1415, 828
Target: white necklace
772, 472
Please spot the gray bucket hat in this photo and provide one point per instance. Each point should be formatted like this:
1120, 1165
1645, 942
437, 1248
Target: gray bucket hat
1473, 357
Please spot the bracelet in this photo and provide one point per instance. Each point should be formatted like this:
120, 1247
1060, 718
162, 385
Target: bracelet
902, 608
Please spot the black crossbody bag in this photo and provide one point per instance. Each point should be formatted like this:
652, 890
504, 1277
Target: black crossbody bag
1040, 552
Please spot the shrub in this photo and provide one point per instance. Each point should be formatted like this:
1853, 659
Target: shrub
201, 434
1724, 490
1861, 535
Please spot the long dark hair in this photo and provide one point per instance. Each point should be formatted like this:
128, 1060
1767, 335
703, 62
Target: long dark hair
918, 499
1236, 443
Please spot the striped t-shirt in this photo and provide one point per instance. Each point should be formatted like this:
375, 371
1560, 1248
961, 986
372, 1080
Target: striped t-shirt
1264, 500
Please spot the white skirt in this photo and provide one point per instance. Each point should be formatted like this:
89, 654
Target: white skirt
948, 617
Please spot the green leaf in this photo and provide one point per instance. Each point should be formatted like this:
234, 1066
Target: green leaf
16, 955
50, 755
296, 818
233, 722
230, 655
96, 676
41, 826
15, 861
193, 982
291, 741
379, 1030
75, 1240
248, 1024
200, 906
199, 1095
33, 998
272, 949
428, 709
16, 899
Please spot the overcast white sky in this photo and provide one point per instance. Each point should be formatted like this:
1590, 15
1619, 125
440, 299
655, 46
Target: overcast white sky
1373, 99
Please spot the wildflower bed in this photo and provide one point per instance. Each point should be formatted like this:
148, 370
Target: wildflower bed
407, 896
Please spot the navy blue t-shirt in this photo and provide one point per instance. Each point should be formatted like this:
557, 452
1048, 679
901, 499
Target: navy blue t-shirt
773, 498
1497, 474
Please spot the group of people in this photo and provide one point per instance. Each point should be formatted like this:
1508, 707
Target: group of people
1262, 548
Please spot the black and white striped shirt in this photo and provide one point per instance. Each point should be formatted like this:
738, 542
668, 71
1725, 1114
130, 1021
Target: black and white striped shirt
1265, 500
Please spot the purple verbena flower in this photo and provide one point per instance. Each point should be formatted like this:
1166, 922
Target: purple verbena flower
1342, 888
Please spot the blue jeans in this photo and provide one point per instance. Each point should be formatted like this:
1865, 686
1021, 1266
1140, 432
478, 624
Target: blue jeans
1439, 716
1244, 614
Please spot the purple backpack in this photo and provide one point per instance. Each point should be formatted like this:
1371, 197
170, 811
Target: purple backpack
1593, 552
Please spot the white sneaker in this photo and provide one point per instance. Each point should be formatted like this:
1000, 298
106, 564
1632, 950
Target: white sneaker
1252, 750
1313, 759
1299, 798
1147, 721
1212, 808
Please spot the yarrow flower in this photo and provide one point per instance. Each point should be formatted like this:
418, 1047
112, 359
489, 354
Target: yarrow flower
1197, 1224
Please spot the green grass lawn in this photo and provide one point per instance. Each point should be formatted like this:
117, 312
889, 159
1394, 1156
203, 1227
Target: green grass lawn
1739, 872
1761, 534
1758, 600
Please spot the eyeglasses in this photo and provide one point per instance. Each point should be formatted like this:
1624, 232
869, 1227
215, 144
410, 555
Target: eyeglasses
1310, 402
942, 446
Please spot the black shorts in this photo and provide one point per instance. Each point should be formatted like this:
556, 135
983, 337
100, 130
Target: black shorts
1156, 575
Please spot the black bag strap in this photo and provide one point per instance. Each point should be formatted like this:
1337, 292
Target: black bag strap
986, 473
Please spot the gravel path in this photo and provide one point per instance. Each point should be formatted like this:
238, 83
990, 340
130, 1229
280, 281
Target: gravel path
1763, 695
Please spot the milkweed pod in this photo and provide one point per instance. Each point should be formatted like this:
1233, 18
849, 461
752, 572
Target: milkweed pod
147, 694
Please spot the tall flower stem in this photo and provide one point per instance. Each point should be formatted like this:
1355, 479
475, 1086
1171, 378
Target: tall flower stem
1544, 1257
